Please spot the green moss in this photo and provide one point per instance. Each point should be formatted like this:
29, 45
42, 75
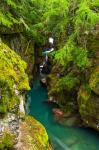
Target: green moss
6, 142
94, 80
67, 81
84, 93
34, 135
12, 77
24, 46
88, 107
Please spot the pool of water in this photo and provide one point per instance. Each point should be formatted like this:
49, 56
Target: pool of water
62, 138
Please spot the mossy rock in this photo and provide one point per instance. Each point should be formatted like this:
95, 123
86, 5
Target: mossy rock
33, 135
7, 141
94, 80
52, 84
12, 77
15, 29
24, 47
89, 107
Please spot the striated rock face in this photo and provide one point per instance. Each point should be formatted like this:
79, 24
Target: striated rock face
89, 107
88, 100
94, 80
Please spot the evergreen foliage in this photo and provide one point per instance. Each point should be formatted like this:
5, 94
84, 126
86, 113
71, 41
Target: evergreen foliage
7, 13
69, 21
24, 14
75, 22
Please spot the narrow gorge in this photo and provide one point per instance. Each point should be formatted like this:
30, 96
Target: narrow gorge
49, 75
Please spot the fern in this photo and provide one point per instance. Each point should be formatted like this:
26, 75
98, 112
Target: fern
64, 55
85, 18
4, 20
56, 16
67, 81
80, 57
11, 3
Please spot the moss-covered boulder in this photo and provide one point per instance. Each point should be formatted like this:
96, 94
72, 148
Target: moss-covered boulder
89, 107
12, 78
24, 47
33, 135
94, 80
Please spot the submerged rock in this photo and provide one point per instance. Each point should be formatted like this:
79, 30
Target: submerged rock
66, 118
43, 82
57, 112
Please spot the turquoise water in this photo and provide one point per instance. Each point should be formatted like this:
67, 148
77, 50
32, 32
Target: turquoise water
62, 138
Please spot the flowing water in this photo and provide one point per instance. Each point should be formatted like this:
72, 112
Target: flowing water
62, 138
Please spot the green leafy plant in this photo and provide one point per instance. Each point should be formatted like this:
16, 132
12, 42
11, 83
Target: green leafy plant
67, 81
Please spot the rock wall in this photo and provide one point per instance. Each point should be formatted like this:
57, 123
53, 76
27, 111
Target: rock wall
14, 125
23, 46
78, 97
88, 100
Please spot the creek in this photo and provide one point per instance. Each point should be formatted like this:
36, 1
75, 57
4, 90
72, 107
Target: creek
61, 137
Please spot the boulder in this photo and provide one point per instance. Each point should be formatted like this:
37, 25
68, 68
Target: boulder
33, 136
57, 112
43, 82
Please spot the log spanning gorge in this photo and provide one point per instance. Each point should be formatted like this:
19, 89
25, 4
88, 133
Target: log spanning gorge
61, 137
